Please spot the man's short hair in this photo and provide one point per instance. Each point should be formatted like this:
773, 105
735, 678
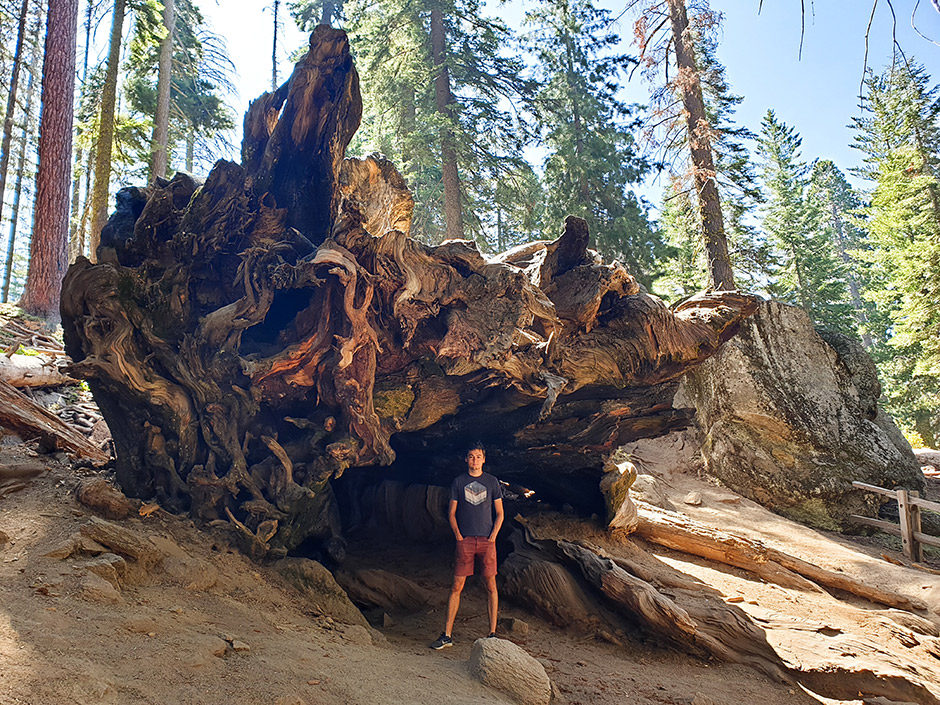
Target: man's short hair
476, 445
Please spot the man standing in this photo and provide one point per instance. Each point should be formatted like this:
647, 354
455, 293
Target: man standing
475, 497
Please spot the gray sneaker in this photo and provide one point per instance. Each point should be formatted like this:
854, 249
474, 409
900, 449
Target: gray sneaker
442, 642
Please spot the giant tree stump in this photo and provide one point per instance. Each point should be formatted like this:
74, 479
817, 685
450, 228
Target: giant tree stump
250, 338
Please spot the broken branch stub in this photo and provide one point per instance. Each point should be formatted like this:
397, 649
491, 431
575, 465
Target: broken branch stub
250, 338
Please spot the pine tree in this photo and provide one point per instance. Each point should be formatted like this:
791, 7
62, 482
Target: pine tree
161, 116
684, 268
811, 276
199, 118
669, 38
750, 254
440, 111
592, 160
25, 147
105, 131
6, 140
899, 136
839, 205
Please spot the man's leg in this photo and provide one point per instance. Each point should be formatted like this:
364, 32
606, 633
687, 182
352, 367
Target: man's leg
492, 605
453, 602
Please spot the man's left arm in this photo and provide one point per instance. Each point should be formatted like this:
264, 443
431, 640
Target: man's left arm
498, 522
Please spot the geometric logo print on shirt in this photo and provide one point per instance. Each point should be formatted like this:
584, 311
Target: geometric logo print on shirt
474, 493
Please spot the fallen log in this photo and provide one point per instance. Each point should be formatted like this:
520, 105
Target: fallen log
21, 414
32, 371
690, 615
681, 533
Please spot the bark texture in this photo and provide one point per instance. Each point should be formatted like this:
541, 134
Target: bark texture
48, 252
161, 120
101, 190
251, 338
700, 145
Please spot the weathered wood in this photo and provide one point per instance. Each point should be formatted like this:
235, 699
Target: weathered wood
683, 534
889, 527
908, 542
30, 371
875, 489
635, 584
251, 338
21, 414
678, 532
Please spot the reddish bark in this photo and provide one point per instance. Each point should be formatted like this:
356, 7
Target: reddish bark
703, 163
49, 248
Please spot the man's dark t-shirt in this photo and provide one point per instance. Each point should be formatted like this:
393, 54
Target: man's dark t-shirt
475, 497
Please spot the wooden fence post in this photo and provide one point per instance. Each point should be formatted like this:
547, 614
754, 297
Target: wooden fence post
917, 548
908, 542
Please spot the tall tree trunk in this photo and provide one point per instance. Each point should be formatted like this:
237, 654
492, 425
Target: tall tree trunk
703, 163
453, 212
190, 149
277, 4
48, 255
576, 121
76, 234
20, 169
161, 120
11, 103
100, 192
328, 13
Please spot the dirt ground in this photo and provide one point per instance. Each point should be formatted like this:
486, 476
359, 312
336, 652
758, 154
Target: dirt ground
217, 628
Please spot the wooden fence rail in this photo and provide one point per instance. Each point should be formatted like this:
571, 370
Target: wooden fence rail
909, 506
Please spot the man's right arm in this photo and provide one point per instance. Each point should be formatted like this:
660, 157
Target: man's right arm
452, 517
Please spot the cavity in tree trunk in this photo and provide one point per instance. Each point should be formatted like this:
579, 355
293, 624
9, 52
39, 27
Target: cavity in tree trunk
20, 168
453, 214
161, 121
11, 103
48, 250
703, 164
99, 195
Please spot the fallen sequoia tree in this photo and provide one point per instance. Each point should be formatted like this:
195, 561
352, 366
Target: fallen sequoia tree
250, 338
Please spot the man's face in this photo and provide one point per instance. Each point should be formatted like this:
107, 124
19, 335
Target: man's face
475, 460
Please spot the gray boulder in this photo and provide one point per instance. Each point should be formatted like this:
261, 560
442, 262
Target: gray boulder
502, 665
790, 418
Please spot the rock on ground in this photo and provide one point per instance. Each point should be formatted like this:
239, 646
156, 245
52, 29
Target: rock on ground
790, 418
502, 665
318, 586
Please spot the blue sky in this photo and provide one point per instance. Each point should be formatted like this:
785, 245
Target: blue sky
817, 94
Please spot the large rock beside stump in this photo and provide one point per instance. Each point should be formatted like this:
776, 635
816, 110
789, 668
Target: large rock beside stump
790, 418
502, 665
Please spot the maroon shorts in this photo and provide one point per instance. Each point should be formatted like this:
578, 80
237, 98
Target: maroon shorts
468, 550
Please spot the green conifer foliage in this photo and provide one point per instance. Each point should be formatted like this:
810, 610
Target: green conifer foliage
200, 120
401, 119
899, 135
811, 275
592, 160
